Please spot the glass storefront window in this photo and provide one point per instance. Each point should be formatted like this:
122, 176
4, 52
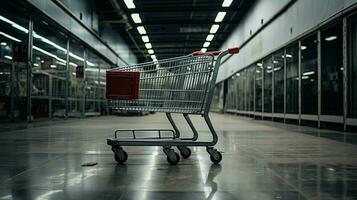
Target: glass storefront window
13, 65
95, 83
332, 70
268, 83
292, 79
278, 63
352, 71
309, 75
258, 86
76, 79
250, 88
48, 70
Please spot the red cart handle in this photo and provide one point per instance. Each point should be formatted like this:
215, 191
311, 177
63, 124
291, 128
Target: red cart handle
234, 50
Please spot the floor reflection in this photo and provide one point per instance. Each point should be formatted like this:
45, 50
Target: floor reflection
214, 170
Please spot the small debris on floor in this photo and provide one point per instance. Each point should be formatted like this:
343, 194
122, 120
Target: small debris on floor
89, 164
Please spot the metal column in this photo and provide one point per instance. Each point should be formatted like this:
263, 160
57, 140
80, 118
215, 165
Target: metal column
12, 92
66, 87
299, 87
345, 73
285, 76
83, 109
29, 71
319, 65
50, 94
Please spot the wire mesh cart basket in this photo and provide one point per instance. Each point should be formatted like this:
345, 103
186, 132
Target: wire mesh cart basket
177, 85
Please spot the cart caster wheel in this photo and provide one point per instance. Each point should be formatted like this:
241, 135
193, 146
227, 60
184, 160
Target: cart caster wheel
173, 158
121, 157
185, 152
216, 158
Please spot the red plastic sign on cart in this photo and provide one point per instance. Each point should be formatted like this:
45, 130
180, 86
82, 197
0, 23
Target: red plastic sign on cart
122, 85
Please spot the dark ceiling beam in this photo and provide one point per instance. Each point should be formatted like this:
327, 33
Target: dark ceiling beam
181, 23
178, 9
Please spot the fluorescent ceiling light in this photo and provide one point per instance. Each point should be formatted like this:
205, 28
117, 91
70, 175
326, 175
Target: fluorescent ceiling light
150, 51
308, 73
141, 30
45, 40
303, 47
209, 37
259, 64
48, 53
289, 56
206, 44
13, 24
91, 64
203, 49
153, 57
145, 38
155, 60
10, 37
275, 62
20, 28
53, 66
3, 43
269, 67
227, 3
36, 65
136, 18
214, 28
8, 57
129, 3
238, 74
76, 57
148, 45
220, 16
330, 38
72, 64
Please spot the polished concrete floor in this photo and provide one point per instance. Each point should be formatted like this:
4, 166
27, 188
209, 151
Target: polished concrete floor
261, 161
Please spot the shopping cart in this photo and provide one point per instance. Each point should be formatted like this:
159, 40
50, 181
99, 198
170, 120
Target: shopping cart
178, 85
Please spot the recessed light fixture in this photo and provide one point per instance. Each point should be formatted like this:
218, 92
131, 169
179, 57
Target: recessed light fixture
8, 57
227, 3
206, 44
209, 37
129, 3
330, 38
136, 18
220, 16
214, 28
10, 37
145, 38
141, 30
150, 51
148, 45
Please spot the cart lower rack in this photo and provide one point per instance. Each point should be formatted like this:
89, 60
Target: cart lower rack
178, 85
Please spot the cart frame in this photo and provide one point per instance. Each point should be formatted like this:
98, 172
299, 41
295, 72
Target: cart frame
182, 144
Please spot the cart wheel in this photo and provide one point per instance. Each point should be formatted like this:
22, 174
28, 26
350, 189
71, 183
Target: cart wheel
173, 158
185, 152
121, 157
216, 158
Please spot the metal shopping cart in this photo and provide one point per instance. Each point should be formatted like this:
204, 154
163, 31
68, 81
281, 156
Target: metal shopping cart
178, 85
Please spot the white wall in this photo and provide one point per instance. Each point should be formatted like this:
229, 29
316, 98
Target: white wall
302, 16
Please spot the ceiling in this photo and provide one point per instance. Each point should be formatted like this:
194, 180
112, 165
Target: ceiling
174, 27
